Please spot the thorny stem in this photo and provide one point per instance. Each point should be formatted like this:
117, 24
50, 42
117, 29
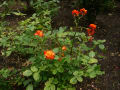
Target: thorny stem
58, 41
76, 24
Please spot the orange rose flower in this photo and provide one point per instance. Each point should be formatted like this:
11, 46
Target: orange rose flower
49, 54
83, 11
64, 48
75, 13
90, 32
92, 26
39, 33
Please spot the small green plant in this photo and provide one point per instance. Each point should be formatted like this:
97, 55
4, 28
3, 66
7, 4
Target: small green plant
4, 76
5, 8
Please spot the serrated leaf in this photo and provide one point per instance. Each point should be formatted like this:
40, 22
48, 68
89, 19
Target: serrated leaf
34, 69
27, 73
26, 82
101, 41
56, 50
61, 30
92, 75
56, 57
29, 87
36, 76
61, 69
75, 73
55, 81
73, 80
32, 59
80, 79
101, 46
18, 13
71, 89
8, 53
81, 72
58, 89
92, 54
48, 33
93, 60
52, 87
47, 83
54, 72
47, 88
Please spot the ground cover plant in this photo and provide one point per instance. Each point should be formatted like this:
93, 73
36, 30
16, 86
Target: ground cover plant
58, 57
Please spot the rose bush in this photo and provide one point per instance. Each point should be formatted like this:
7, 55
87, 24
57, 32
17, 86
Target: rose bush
59, 57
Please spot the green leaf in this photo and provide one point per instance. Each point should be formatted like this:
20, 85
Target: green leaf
61, 29
92, 75
26, 82
48, 33
29, 87
52, 87
56, 57
47, 84
81, 73
32, 59
93, 60
8, 53
47, 88
92, 54
54, 72
101, 41
71, 89
34, 69
55, 81
101, 46
73, 80
36, 76
80, 79
27, 73
75, 73
56, 50
61, 69
78, 73
58, 89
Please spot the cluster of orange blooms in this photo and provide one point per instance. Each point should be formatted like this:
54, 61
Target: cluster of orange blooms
49, 54
82, 12
91, 31
39, 33
92, 27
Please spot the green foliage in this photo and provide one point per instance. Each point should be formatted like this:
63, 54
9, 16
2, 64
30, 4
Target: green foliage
46, 8
68, 67
27, 73
4, 82
29, 87
5, 10
4, 72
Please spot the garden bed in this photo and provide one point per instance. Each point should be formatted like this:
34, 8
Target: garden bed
108, 28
